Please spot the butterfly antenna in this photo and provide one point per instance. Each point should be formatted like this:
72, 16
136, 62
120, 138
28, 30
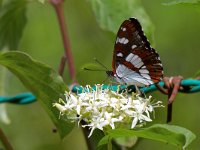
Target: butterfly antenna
93, 69
98, 62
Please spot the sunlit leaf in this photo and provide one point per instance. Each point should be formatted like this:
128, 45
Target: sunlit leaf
111, 13
42, 81
4, 115
170, 134
13, 20
127, 141
41, 1
190, 2
3, 83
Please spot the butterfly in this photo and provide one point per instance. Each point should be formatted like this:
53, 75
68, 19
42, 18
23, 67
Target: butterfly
134, 62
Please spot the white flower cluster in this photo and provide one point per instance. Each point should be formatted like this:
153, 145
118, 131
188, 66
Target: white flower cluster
105, 109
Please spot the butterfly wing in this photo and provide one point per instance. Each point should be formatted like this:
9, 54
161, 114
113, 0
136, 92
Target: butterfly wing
134, 61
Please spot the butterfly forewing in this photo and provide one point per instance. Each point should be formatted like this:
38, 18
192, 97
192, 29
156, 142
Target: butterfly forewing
134, 61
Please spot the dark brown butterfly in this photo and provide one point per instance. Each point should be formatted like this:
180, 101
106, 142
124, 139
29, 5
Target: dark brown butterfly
134, 61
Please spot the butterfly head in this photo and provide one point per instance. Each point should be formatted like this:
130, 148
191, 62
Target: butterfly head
110, 73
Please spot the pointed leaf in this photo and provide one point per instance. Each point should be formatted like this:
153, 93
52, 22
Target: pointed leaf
42, 81
170, 134
176, 2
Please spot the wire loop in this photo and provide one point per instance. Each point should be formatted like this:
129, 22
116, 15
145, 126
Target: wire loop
189, 86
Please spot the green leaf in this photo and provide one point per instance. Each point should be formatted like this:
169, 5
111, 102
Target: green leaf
42, 81
176, 2
41, 1
111, 13
13, 20
170, 134
127, 141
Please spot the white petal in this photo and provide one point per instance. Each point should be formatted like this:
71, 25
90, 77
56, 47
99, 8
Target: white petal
78, 109
134, 122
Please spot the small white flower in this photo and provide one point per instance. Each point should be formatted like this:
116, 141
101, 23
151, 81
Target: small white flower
106, 109
60, 107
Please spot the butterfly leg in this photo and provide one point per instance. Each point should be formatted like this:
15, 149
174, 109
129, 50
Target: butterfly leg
138, 91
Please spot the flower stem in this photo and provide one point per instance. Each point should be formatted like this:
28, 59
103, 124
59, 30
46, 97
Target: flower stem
58, 5
5, 141
110, 144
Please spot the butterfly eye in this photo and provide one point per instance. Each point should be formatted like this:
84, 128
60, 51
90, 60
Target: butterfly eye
110, 73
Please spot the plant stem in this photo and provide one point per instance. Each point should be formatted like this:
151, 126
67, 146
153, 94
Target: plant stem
58, 5
5, 141
110, 144
90, 144
62, 65
169, 107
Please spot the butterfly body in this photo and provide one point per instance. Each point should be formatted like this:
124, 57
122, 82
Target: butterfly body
134, 61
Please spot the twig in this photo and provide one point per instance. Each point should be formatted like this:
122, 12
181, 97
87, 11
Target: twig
58, 5
5, 141
171, 87
62, 65
169, 107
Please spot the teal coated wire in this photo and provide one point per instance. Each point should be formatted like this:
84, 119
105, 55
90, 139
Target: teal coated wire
26, 98
23, 98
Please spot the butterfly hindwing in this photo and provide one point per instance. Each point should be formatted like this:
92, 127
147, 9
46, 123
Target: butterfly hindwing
134, 61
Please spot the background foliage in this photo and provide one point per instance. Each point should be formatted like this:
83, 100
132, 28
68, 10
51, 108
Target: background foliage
176, 39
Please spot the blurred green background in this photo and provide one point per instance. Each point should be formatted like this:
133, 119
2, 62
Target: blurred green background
177, 39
